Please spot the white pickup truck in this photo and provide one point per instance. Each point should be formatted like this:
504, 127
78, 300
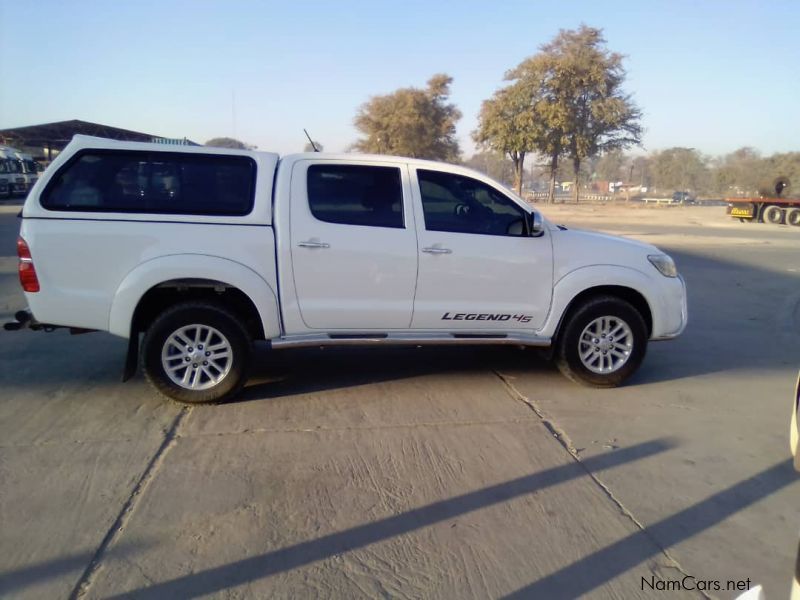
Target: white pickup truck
206, 250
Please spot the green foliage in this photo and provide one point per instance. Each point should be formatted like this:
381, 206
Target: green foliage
227, 142
741, 173
612, 166
787, 165
419, 123
507, 125
565, 100
679, 169
585, 80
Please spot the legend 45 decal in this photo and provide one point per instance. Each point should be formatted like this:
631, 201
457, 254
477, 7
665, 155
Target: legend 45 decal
486, 317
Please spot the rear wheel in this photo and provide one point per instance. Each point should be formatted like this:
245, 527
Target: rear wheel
773, 214
793, 217
197, 352
602, 343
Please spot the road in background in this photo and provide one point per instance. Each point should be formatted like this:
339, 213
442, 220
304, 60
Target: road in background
468, 472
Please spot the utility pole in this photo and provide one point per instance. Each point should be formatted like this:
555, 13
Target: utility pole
628, 187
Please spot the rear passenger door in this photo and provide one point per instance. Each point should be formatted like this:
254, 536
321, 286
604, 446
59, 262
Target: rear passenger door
353, 245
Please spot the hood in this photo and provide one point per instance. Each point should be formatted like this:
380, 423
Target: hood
597, 238
577, 248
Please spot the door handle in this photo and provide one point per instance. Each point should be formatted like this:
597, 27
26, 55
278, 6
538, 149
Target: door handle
437, 250
313, 244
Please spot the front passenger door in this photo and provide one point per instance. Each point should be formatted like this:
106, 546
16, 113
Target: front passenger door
479, 269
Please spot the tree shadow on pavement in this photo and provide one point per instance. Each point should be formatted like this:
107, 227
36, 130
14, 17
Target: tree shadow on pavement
586, 574
285, 559
32, 575
576, 579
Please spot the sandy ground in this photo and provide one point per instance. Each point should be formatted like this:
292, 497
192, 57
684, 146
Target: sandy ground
452, 473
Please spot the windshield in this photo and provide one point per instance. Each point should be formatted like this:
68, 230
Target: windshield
30, 165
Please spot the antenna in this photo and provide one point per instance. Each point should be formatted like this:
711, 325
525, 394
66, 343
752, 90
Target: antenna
313, 145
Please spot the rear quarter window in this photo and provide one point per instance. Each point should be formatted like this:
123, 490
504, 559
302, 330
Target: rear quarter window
153, 182
364, 195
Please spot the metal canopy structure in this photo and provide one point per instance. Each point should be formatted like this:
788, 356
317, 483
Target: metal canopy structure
53, 137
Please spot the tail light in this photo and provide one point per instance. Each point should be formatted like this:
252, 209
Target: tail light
27, 272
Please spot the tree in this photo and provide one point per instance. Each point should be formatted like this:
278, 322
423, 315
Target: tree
309, 147
546, 117
786, 165
740, 171
414, 122
679, 169
494, 164
227, 142
506, 126
585, 81
612, 166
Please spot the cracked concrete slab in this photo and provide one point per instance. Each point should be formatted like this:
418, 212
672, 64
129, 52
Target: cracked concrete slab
723, 389
351, 388
57, 503
435, 511
73, 445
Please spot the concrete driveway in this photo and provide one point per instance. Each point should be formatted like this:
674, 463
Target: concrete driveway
453, 473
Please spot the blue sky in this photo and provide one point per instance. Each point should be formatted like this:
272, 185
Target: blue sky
712, 75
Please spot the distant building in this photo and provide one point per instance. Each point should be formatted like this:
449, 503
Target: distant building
45, 141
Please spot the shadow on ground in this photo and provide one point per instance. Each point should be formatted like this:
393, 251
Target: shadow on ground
578, 578
12, 583
281, 560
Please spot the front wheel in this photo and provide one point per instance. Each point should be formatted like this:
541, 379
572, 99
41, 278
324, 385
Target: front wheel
196, 352
602, 343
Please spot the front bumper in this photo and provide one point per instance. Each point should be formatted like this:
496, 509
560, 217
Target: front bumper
674, 311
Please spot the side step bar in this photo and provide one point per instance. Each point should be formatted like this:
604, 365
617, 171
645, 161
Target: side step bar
408, 339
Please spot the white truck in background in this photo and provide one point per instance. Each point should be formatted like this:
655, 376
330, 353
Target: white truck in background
197, 252
18, 172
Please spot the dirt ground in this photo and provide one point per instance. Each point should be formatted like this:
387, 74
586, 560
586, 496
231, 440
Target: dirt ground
421, 473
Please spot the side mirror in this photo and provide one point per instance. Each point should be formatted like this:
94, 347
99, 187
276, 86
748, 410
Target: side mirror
535, 225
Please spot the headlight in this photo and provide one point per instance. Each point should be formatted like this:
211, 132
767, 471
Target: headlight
664, 264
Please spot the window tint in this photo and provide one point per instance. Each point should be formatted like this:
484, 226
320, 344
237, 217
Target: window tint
356, 195
154, 182
461, 204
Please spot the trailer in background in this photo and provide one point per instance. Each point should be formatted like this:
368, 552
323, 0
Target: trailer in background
771, 206
765, 210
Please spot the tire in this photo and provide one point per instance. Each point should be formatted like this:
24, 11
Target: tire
214, 373
793, 217
773, 214
631, 342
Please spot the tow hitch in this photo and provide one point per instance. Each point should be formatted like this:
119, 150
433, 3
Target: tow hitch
23, 319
